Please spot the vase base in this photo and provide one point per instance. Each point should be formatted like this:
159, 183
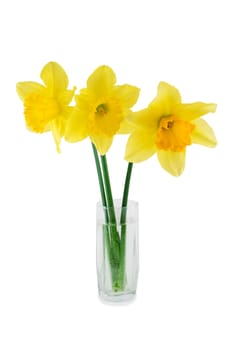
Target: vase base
117, 298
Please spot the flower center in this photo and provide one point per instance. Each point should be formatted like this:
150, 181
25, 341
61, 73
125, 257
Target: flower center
105, 117
101, 109
39, 111
173, 134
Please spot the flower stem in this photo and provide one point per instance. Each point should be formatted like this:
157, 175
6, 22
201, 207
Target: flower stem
115, 243
126, 193
109, 197
106, 229
114, 249
123, 226
101, 183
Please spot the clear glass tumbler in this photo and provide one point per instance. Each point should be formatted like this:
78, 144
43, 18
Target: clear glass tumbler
117, 251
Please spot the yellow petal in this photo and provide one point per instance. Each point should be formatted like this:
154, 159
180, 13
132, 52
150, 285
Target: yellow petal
101, 81
56, 128
125, 127
84, 100
102, 143
203, 134
65, 96
140, 146
28, 87
127, 95
167, 98
146, 119
172, 162
191, 111
76, 127
54, 77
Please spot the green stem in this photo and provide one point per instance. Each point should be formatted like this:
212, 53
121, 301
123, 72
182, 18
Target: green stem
109, 197
114, 251
123, 225
115, 244
100, 177
126, 193
106, 233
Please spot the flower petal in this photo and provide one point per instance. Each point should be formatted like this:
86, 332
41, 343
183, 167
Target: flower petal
84, 100
65, 96
203, 134
28, 87
56, 128
125, 127
167, 97
76, 127
101, 81
172, 162
191, 111
102, 143
146, 119
140, 146
127, 94
54, 77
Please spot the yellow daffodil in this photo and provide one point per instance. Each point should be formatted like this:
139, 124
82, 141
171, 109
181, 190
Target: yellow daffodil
166, 127
101, 110
46, 107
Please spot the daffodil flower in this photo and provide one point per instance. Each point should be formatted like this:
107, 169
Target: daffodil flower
167, 127
46, 106
101, 110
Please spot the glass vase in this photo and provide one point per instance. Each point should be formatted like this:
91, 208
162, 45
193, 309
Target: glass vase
117, 253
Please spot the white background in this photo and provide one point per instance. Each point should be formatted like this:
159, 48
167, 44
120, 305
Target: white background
48, 289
